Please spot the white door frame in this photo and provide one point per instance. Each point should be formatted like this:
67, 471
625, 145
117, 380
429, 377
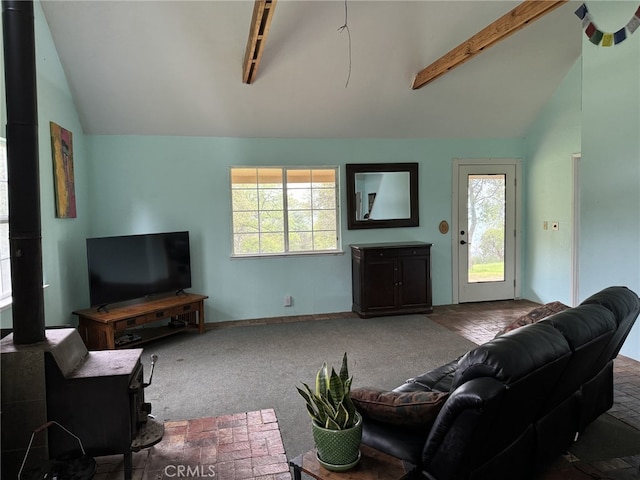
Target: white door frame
457, 162
575, 229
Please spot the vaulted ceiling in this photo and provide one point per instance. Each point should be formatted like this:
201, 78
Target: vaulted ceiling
176, 68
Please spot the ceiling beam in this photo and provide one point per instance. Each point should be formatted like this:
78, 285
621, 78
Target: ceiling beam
518, 18
260, 23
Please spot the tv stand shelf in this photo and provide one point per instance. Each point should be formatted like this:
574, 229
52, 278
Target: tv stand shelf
100, 328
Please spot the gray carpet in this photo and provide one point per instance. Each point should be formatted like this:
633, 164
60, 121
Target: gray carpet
239, 369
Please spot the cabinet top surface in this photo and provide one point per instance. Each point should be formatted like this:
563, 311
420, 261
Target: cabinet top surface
362, 246
120, 311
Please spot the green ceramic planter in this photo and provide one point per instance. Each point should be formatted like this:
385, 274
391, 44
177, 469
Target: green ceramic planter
338, 448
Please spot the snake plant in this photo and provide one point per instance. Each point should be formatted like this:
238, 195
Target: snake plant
330, 406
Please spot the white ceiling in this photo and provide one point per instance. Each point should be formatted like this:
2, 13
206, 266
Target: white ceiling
175, 68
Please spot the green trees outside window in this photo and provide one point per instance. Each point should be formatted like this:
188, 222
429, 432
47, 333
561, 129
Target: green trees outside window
284, 210
486, 227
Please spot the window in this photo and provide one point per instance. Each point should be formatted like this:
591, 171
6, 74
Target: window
281, 210
5, 260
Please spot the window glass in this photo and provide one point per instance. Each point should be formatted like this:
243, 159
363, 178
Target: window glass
5, 262
280, 210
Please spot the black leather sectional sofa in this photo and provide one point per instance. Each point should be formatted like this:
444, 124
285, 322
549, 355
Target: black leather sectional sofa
519, 400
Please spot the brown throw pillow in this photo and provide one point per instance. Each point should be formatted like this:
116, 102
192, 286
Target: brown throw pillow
416, 410
535, 315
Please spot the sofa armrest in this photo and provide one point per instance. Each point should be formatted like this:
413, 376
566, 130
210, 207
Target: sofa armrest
461, 420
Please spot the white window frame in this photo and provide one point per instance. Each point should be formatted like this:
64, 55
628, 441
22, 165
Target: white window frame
287, 252
5, 287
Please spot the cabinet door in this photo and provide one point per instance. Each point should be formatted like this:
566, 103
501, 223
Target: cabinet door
413, 281
379, 278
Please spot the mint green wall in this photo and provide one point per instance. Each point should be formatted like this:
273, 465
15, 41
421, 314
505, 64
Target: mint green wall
62, 239
550, 143
610, 166
594, 112
146, 184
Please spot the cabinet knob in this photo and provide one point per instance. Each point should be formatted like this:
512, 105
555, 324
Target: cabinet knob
399, 283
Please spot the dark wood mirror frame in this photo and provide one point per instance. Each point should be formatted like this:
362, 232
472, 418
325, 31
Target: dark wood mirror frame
354, 168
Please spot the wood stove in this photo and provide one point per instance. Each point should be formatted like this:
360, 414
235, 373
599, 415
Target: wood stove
99, 396
102, 402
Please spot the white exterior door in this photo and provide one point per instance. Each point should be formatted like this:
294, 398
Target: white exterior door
485, 237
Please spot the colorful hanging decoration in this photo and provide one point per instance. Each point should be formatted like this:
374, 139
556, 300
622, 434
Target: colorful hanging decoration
606, 39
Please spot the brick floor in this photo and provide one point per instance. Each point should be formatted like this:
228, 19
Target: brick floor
230, 447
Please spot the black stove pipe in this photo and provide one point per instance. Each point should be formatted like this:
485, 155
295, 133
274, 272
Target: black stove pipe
25, 240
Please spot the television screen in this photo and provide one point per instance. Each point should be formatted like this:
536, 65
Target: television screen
134, 266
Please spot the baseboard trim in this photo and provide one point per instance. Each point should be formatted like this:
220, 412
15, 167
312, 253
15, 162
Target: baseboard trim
276, 320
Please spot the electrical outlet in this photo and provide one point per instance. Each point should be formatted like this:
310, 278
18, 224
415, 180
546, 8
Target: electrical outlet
288, 301
545, 225
555, 226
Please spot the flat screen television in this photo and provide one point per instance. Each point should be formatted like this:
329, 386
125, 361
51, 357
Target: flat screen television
134, 266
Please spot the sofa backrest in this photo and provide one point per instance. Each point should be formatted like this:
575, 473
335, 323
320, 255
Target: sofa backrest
588, 329
515, 356
625, 305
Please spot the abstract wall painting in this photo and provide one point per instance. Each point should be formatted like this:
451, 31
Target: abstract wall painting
62, 151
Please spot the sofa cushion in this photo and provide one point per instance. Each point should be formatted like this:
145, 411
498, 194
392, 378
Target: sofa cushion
415, 410
436, 380
584, 324
534, 316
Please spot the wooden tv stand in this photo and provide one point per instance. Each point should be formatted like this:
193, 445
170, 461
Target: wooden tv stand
101, 329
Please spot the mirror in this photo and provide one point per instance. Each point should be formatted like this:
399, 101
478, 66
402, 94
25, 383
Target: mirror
382, 195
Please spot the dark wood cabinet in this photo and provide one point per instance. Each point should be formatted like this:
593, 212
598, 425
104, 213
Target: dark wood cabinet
391, 278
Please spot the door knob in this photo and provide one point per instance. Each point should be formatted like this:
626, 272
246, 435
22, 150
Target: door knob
462, 242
